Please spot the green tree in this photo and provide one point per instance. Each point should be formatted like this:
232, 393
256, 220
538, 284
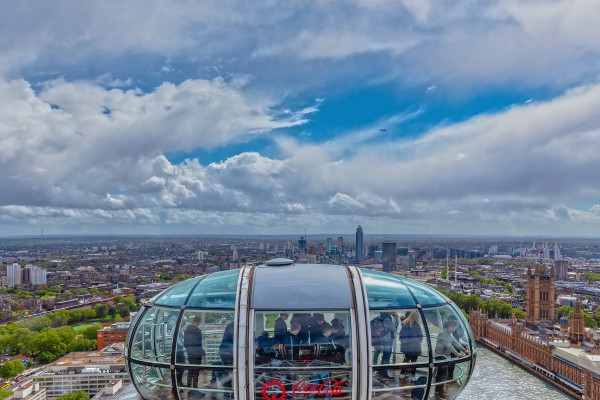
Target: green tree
59, 318
5, 393
50, 341
10, 369
80, 395
46, 357
128, 300
566, 310
29, 345
39, 323
90, 332
472, 302
82, 345
494, 306
444, 274
101, 310
66, 334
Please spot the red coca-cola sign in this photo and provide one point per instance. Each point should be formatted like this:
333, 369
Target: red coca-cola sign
275, 390
331, 387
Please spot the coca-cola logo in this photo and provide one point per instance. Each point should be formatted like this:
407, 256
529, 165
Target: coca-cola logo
331, 387
273, 390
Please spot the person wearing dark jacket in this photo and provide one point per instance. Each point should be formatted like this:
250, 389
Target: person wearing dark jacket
338, 333
411, 336
315, 330
192, 340
280, 332
226, 346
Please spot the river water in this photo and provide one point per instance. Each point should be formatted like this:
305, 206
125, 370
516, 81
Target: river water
496, 378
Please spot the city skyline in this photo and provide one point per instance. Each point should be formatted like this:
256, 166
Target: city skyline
407, 117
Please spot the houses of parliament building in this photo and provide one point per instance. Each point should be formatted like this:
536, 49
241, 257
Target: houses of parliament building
552, 346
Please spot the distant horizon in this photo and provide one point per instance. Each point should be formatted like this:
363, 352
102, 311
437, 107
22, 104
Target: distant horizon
294, 236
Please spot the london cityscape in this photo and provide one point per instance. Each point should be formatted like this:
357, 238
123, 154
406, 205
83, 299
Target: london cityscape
425, 173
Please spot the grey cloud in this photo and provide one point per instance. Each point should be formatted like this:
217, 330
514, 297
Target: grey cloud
463, 43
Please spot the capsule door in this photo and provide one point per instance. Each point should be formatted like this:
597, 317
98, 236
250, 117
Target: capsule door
302, 354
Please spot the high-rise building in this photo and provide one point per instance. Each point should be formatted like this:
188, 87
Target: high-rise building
25, 277
359, 245
561, 268
35, 275
371, 249
321, 250
540, 295
340, 245
389, 256
302, 245
329, 245
412, 259
13, 273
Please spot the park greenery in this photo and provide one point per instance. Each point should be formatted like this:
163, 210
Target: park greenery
80, 395
51, 336
568, 311
491, 306
592, 276
496, 282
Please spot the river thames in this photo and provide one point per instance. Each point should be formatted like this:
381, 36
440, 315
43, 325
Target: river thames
496, 378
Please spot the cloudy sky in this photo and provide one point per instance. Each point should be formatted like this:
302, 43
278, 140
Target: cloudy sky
228, 117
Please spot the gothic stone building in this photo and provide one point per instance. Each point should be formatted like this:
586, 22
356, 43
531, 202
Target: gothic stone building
516, 337
540, 295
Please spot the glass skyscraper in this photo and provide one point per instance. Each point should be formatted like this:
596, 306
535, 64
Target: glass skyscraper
359, 245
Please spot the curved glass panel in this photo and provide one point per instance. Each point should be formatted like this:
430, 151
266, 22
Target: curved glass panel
153, 339
386, 290
217, 290
425, 295
450, 378
204, 353
154, 383
302, 287
449, 335
398, 338
177, 294
205, 338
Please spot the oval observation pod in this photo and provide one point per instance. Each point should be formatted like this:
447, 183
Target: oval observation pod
289, 331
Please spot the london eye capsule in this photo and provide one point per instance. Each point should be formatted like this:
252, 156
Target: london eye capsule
288, 331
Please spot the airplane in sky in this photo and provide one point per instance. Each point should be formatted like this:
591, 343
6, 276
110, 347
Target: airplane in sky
383, 130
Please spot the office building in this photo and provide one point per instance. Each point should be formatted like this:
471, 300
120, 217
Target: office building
87, 371
13, 273
389, 256
115, 333
340, 245
561, 269
329, 245
29, 391
359, 245
302, 249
